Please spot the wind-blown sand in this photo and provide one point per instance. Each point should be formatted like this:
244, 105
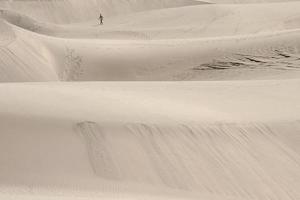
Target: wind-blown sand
236, 126
229, 131
202, 42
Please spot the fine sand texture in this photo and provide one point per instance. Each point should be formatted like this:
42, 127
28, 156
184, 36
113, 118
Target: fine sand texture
167, 100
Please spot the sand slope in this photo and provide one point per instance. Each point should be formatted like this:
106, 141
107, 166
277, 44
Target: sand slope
200, 158
243, 146
235, 137
179, 50
68, 11
23, 58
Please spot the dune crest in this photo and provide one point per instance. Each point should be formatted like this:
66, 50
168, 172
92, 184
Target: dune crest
200, 158
68, 11
160, 100
160, 49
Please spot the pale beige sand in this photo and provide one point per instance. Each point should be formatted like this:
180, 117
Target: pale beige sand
245, 146
204, 42
235, 137
68, 11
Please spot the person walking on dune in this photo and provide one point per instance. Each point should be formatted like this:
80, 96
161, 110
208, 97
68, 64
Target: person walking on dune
101, 19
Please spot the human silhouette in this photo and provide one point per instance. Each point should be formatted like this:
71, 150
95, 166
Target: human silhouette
101, 19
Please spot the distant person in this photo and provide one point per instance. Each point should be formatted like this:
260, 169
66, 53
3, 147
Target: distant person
101, 19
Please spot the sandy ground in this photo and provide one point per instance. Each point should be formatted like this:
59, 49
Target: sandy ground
195, 138
166, 100
201, 42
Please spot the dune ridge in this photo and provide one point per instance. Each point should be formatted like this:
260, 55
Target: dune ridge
197, 158
167, 100
135, 128
70, 11
234, 53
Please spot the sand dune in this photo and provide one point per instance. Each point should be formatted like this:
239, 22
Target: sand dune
179, 50
198, 158
184, 22
249, 1
67, 134
68, 11
23, 58
245, 147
